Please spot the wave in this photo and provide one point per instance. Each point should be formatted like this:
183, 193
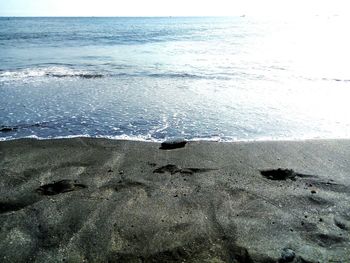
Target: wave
58, 71
84, 76
84, 37
111, 70
13, 128
55, 72
185, 76
146, 138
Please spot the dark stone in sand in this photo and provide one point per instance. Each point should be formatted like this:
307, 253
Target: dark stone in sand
59, 187
287, 255
173, 144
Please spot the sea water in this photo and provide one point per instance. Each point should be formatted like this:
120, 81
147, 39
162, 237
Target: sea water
208, 78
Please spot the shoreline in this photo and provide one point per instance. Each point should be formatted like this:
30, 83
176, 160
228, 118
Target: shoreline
95, 199
196, 139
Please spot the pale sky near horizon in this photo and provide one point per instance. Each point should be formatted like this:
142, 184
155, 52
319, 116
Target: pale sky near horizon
172, 8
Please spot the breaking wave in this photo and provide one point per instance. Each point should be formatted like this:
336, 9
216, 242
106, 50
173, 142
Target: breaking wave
56, 72
66, 72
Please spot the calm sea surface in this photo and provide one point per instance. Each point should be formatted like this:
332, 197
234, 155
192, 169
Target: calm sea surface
237, 78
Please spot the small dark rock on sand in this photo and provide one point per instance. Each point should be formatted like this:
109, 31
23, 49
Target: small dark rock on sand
173, 144
287, 255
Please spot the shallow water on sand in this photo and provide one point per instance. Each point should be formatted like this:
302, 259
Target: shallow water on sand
228, 79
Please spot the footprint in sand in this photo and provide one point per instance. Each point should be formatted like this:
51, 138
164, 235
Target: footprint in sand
173, 144
59, 187
173, 169
282, 174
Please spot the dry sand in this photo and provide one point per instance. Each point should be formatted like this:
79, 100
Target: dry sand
98, 200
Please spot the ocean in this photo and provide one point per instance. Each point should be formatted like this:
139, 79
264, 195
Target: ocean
198, 78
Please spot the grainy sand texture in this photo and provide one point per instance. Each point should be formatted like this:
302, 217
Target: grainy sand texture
99, 200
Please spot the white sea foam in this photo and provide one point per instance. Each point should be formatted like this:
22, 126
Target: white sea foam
45, 72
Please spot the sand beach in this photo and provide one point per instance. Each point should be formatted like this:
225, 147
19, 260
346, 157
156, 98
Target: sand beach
100, 200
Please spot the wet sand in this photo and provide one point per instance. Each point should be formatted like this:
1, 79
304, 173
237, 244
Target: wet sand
99, 200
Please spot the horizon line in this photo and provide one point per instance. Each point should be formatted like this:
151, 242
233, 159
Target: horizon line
15, 16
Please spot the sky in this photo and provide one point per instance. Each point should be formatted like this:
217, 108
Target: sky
173, 8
